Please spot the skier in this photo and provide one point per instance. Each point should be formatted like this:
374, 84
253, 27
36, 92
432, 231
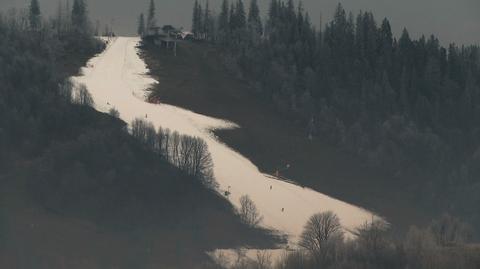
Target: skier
283, 209
146, 116
270, 187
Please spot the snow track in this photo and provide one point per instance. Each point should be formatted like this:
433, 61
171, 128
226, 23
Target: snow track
118, 78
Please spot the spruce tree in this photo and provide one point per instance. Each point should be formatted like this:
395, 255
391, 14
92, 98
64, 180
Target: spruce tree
254, 20
151, 20
195, 25
223, 28
60, 18
141, 25
386, 35
198, 25
207, 27
273, 10
232, 23
34, 15
272, 18
200, 20
290, 10
79, 16
240, 15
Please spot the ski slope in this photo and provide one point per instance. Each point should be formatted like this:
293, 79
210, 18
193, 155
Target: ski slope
118, 78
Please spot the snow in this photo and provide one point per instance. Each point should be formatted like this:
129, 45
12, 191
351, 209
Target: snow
118, 78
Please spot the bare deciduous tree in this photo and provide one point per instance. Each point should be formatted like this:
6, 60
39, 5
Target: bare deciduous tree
372, 240
263, 260
321, 233
138, 129
150, 137
185, 154
144, 132
165, 149
82, 97
201, 163
175, 149
65, 90
189, 154
248, 212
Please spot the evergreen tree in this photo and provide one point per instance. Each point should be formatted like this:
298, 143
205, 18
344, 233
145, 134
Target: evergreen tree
79, 16
290, 10
141, 25
232, 23
198, 26
34, 15
151, 20
386, 36
59, 18
207, 22
405, 47
273, 11
240, 15
223, 19
195, 19
254, 20
385, 43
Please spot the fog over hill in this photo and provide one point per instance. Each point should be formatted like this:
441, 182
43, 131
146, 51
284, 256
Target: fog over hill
452, 21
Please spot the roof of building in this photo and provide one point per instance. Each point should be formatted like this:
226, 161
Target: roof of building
167, 39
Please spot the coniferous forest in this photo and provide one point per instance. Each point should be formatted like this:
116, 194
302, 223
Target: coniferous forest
410, 107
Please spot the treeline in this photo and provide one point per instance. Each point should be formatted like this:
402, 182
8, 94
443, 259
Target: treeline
232, 25
323, 245
36, 54
147, 25
189, 154
410, 107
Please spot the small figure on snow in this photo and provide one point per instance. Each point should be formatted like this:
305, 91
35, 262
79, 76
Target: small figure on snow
270, 187
283, 209
227, 192
146, 116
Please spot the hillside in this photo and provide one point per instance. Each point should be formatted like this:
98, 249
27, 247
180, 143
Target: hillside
388, 123
196, 80
77, 190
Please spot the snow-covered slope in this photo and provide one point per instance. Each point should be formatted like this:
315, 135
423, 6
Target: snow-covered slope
117, 78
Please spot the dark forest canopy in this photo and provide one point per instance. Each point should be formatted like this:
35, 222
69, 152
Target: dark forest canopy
408, 106
450, 20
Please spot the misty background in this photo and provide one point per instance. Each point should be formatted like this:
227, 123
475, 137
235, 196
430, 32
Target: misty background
451, 21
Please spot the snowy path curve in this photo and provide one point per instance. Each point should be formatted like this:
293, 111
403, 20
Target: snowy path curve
118, 77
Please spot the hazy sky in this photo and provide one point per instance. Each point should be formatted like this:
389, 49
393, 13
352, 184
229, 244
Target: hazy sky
451, 20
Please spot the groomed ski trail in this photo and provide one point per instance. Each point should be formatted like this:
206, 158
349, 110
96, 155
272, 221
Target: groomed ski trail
118, 78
